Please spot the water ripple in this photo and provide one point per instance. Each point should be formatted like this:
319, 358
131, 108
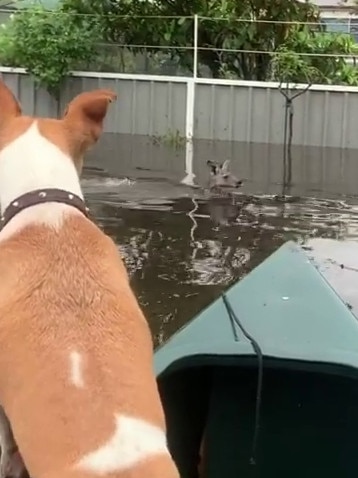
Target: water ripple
183, 248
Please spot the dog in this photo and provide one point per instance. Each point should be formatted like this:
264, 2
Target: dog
77, 386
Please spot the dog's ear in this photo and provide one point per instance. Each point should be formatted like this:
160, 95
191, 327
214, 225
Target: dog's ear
84, 117
9, 106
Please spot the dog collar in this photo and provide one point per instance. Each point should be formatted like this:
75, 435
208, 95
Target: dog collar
41, 196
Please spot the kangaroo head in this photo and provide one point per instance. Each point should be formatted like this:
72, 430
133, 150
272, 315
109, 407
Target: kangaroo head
221, 177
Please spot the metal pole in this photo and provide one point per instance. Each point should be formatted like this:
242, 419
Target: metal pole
195, 60
190, 113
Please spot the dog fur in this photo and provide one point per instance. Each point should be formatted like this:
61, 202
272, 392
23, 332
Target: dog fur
76, 377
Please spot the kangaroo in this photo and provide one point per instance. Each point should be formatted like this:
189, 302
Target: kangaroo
221, 177
222, 206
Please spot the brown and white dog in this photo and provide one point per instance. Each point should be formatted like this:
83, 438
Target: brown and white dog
76, 372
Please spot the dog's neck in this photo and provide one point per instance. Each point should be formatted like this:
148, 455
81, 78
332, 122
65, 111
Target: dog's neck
32, 162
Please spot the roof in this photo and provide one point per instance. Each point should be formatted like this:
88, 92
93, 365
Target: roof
330, 4
295, 311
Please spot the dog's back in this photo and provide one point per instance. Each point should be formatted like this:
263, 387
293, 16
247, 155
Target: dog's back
76, 372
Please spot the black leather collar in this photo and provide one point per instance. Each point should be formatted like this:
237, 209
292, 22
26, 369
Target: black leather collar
41, 196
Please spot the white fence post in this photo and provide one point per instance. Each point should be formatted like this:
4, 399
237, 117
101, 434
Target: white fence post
190, 112
195, 56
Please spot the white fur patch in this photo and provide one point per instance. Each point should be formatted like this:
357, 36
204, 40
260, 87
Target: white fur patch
32, 162
132, 442
76, 372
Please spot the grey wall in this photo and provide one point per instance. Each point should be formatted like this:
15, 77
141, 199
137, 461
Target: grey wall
143, 107
254, 114
227, 113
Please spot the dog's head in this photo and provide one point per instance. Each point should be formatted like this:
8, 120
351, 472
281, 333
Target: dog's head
221, 177
75, 133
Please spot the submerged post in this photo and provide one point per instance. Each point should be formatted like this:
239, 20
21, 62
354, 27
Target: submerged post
190, 112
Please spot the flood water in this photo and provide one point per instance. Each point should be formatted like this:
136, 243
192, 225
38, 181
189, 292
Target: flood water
181, 247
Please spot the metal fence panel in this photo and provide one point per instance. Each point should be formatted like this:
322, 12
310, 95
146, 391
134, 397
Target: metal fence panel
226, 112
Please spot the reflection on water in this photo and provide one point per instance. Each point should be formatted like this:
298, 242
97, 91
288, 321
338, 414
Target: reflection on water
183, 248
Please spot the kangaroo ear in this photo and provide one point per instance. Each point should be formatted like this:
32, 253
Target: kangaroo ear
9, 106
225, 166
213, 166
84, 117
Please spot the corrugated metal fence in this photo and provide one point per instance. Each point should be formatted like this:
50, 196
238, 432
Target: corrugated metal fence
228, 110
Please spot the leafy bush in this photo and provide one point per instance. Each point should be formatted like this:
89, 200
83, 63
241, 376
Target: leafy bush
7, 47
221, 28
290, 65
88, 34
49, 44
